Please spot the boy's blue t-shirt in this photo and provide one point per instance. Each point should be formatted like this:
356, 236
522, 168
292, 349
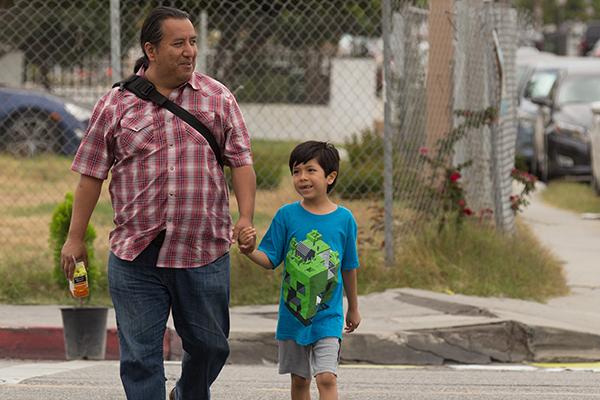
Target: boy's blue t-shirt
315, 249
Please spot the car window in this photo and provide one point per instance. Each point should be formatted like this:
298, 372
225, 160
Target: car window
540, 84
579, 89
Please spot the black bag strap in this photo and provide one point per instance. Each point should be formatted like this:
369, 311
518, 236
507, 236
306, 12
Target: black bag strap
145, 90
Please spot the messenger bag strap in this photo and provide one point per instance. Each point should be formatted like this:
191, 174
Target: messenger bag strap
145, 90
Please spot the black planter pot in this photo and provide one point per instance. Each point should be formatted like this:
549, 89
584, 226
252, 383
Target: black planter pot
85, 332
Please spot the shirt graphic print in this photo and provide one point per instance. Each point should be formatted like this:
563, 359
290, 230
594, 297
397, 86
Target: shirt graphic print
310, 277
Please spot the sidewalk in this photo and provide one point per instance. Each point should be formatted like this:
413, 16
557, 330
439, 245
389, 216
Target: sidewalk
404, 326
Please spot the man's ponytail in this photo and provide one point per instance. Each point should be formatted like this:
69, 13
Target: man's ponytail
140, 62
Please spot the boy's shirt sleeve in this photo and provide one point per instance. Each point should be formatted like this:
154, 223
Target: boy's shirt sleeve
273, 243
350, 260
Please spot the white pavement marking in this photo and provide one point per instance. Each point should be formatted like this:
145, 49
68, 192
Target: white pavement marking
17, 373
495, 367
377, 366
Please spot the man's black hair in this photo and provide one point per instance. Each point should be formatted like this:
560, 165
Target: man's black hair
324, 153
152, 30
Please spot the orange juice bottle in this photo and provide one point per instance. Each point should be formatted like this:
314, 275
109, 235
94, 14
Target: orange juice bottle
79, 284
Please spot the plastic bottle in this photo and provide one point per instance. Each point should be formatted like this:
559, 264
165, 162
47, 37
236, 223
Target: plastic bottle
79, 284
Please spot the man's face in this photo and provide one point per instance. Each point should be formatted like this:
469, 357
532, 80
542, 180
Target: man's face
175, 56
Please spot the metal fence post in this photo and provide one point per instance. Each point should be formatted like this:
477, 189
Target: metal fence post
201, 64
115, 40
388, 177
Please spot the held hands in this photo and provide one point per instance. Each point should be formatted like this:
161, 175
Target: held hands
352, 320
247, 240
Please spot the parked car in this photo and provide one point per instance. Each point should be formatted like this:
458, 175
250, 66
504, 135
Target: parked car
589, 38
34, 122
561, 140
535, 78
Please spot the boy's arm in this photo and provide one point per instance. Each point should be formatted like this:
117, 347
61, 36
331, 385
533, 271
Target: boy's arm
350, 287
247, 238
260, 258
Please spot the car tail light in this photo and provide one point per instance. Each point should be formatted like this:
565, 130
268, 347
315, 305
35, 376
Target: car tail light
55, 117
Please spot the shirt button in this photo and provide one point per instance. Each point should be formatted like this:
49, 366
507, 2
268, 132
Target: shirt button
172, 169
169, 219
171, 194
171, 144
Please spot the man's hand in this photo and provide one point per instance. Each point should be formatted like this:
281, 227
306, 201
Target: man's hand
241, 224
72, 250
247, 240
352, 320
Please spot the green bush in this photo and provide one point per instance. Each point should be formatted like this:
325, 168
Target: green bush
362, 175
59, 228
360, 181
364, 149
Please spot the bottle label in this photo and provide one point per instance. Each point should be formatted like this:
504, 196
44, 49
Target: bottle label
79, 284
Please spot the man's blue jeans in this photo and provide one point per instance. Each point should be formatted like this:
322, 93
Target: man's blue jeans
142, 295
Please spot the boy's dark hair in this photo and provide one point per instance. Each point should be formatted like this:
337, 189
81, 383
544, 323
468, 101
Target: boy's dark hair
325, 153
152, 30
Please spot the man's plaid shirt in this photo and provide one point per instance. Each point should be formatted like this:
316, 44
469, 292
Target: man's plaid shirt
164, 175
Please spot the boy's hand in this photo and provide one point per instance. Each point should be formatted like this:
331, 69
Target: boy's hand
247, 240
352, 320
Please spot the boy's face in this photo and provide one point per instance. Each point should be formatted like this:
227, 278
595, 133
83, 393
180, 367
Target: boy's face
310, 181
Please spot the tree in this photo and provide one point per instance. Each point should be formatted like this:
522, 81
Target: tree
56, 33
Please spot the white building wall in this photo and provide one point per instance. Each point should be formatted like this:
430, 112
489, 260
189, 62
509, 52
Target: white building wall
11, 65
353, 107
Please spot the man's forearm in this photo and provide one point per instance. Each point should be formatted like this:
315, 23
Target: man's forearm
244, 187
84, 202
351, 288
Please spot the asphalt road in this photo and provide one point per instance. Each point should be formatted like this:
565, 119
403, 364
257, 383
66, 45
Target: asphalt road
21, 380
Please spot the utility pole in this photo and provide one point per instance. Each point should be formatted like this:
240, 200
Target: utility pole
440, 70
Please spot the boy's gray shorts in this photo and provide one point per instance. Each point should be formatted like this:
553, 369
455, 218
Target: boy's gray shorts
308, 361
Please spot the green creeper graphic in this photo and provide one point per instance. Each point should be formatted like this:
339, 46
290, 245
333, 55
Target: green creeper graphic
310, 276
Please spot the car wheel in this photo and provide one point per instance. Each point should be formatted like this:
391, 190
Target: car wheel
29, 133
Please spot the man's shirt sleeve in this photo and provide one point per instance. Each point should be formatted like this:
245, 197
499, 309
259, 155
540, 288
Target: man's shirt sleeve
94, 156
237, 139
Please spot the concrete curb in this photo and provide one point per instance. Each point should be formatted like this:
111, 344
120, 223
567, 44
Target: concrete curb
505, 341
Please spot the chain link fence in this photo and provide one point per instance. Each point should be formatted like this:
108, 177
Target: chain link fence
454, 112
301, 70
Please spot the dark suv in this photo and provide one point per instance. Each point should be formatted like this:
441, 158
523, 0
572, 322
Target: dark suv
561, 136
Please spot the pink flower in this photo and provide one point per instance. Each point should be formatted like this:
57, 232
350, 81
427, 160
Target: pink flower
468, 211
461, 203
455, 176
423, 151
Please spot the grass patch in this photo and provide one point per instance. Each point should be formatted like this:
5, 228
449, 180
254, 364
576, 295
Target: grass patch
572, 196
475, 261
30, 281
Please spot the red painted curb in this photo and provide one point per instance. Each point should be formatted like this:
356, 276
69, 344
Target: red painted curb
48, 343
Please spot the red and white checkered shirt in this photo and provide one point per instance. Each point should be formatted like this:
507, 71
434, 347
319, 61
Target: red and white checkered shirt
164, 175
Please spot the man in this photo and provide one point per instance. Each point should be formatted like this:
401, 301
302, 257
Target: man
169, 247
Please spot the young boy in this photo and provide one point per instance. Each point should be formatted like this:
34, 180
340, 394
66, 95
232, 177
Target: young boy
316, 240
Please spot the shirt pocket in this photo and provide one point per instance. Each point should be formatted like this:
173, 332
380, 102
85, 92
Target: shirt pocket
136, 135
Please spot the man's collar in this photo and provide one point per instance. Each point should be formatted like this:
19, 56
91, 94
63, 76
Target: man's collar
194, 82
